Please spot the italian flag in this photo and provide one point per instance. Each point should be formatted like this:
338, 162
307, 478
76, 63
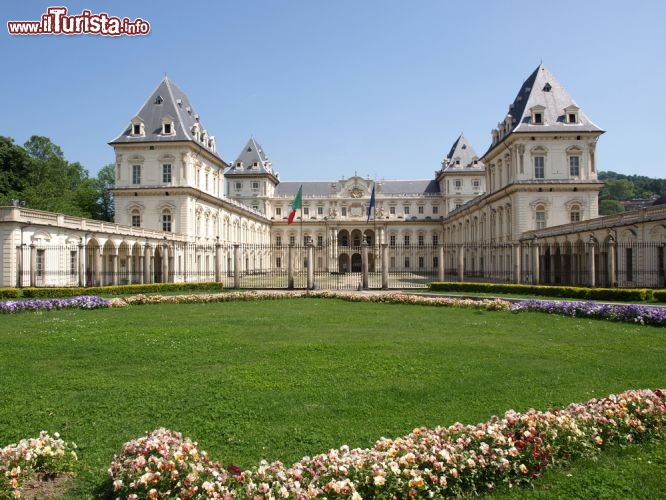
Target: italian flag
295, 205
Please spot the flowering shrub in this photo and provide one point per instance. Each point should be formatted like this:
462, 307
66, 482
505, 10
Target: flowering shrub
83, 302
392, 297
631, 313
164, 465
441, 462
46, 454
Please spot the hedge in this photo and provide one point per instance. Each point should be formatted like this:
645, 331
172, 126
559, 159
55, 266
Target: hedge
55, 292
569, 292
9, 293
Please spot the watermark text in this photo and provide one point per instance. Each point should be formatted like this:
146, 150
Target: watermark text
56, 21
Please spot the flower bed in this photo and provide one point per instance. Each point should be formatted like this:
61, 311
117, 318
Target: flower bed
630, 313
82, 302
440, 462
49, 455
391, 297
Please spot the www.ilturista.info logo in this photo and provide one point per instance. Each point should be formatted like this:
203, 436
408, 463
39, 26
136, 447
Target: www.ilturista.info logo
56, 22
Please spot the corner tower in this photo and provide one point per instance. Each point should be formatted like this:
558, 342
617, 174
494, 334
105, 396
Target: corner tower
541, 166
251, 180
166, 160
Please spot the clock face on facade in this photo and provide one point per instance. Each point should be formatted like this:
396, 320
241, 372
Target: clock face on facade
355, 192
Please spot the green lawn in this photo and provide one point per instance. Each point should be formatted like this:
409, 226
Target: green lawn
286, 378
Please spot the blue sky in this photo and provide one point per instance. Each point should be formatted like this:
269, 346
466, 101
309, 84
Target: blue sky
381, 88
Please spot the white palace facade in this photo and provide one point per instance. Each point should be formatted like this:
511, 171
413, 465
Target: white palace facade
526, 210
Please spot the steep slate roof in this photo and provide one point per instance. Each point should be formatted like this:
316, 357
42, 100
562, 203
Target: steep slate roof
463, 151
392, 187
542, 88
166, 100
251, 153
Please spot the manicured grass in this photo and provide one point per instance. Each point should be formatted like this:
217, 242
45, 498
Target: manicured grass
287, 378
632, 472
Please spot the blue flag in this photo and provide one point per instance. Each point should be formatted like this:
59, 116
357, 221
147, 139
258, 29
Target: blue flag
372, 203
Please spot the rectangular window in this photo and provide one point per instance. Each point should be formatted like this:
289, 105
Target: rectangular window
73, 263
629, 263
239, 186
406, 240
392, 240
435, 239
320, 210
435, 262
392, 210
575, 216
540, 220
166, 173
292, 239
136, 221
406, 262
457, 184
137, 129
278, 241
405, 210
167, 128
435, 210
421, 262
539, 171
278, 211
574, 166
343, 211
166, 222
538, 118
476, 184
420, 209
306, 211
320, 241
278, 262
572, 118
40, 263
136, 174
421, 241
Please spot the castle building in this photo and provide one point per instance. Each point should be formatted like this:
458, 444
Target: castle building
184, 214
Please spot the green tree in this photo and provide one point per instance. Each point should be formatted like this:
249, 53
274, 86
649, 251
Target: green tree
52, 182
14, 168
94, 195
610, 207
617, 189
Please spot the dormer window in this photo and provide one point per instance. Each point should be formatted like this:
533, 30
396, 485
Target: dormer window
537, 115
255, 165
571, 114
168, 126
239, 165
137, 129
159, 100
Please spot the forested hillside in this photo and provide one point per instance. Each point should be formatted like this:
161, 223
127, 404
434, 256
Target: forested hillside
619, 187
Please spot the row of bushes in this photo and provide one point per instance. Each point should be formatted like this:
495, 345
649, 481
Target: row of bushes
568, 292
55, 292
